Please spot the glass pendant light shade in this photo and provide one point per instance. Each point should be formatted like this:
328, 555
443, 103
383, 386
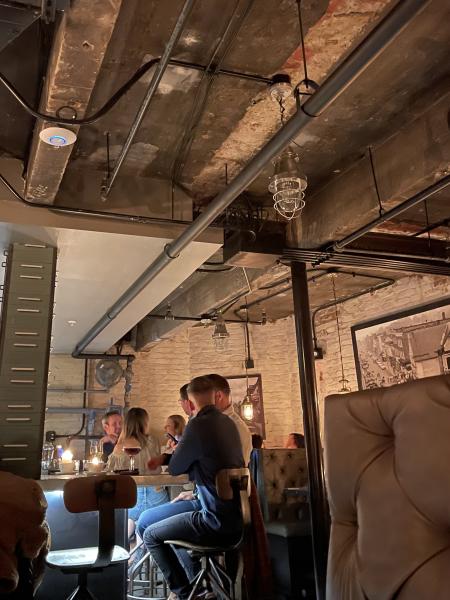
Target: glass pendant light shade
288, 185
247, 408
220, 335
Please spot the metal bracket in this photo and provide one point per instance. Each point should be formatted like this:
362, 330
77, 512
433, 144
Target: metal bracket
49, 8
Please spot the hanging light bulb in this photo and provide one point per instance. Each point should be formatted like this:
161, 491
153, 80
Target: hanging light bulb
288, 185
345, 387
220, 335
247, 408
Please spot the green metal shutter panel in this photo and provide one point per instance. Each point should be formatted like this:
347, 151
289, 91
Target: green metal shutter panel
25, 335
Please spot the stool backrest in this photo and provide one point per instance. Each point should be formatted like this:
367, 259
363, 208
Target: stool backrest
236, 484
102, 493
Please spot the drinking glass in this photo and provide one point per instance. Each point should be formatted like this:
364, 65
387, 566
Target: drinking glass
131, 452
94, 448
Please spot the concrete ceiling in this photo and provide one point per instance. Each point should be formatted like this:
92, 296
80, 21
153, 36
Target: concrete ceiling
197, 124
94, 269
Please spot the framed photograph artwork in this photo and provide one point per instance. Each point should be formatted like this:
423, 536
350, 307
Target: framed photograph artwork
238, 385
407, 345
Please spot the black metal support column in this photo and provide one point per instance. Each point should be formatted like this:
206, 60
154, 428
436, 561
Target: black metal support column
318, 500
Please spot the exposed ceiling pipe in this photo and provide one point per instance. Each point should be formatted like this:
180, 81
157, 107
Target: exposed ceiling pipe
324, 273
443, 223
394, 212
196, 319
355, 63
151, 90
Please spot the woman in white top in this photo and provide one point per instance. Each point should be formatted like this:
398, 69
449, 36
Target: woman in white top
135, 433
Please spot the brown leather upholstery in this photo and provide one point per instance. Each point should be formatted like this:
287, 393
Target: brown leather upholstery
80, 494
277, 470
387, 457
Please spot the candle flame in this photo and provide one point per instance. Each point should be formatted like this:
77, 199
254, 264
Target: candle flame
96, 460
67, 456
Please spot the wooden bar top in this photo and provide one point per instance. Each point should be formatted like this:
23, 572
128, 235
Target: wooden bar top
50, 483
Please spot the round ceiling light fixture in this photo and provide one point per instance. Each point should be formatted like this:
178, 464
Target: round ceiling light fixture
58, 136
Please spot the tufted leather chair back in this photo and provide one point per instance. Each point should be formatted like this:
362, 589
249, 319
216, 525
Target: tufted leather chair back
387, 457
278, 469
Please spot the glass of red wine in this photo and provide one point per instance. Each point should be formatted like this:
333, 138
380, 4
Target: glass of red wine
131, 452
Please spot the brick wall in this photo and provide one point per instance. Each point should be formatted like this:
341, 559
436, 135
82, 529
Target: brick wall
160, 372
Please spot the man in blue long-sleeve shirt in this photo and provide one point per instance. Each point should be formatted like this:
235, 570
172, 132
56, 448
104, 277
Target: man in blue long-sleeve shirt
210, 443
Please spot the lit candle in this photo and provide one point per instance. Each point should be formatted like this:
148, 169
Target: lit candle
95, 460
67, 456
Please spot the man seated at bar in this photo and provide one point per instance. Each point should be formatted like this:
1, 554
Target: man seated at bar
186, 404
112, 426
210, 443
222, 400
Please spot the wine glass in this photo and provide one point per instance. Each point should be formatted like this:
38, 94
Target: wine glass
131, 452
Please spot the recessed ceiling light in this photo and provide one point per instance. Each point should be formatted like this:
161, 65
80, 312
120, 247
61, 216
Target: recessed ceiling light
72, 323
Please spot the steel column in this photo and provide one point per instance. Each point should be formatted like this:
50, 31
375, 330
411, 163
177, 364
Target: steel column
320, 520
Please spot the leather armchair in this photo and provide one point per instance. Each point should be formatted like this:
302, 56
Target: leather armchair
387, 460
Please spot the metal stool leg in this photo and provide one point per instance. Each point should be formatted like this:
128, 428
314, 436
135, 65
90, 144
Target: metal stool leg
81, 592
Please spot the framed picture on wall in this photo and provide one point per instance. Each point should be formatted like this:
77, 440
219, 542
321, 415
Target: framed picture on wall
238, 385
411, 344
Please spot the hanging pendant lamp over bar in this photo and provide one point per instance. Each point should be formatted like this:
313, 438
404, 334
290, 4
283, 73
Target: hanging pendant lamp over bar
220, 335
288, 185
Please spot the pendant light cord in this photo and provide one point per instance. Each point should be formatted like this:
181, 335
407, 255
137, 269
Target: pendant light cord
338, 328
302, 41
282, 109
375, 182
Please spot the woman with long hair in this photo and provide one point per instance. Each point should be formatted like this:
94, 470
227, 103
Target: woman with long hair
135, 434
174, 428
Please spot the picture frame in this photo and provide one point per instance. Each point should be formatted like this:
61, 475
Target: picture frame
403, 346
238, 385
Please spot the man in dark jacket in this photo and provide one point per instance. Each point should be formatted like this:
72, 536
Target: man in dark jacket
210, 443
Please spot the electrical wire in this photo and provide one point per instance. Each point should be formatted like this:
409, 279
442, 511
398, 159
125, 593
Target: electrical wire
338, 329
202, 93
91, 118
302, 40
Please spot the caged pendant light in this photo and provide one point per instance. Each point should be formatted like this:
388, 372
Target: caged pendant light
288, 185
220, 334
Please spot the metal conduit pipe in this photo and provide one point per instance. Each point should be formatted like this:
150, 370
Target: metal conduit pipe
379, 286
197, 319
355, 63
314, 278
390, 214
151, 90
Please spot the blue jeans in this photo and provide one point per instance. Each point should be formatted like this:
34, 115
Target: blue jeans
186, 526
147, 497
165, 511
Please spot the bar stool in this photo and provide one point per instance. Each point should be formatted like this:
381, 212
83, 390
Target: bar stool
231, 484
145, 580
102, 493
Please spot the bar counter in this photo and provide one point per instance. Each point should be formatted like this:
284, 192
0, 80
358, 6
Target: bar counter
53, 483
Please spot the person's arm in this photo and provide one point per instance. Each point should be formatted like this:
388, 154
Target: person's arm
188, 450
